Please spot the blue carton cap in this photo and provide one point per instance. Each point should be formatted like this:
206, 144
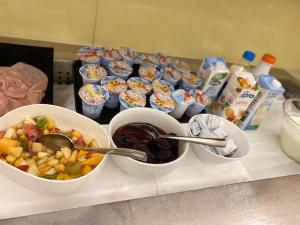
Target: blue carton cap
249, 56
211, 61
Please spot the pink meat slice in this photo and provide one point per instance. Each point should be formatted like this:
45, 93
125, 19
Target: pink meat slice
14, 103
38, 81
3, 103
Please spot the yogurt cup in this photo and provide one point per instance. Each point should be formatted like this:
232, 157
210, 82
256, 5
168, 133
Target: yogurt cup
120, 69
131, 99
181, 66
163, 59
92, 73
162, 102
201, 101
89, 55
114, 86
182, 101
128, 55
149, 73
147, 60
139, 85
93, 98
162, 86
190, 81
108, 55
171, 75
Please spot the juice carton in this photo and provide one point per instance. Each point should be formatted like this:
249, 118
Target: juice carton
215, 72
269, 89
236, 97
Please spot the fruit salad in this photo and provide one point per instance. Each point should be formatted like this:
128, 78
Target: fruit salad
19, 148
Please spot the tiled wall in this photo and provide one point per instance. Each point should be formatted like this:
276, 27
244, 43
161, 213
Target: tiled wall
186, 28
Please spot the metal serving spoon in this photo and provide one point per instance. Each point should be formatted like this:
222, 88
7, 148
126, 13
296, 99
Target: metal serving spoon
217, 142
57, 141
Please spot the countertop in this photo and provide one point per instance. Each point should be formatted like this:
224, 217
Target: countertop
273, 201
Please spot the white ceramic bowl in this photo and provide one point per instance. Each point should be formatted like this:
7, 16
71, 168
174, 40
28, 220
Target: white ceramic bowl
233, 131
158, 119
66, 120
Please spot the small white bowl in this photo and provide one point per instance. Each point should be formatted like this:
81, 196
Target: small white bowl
66, 120
158, 119
233, 131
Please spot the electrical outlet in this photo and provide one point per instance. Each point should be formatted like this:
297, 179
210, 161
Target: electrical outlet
63, 71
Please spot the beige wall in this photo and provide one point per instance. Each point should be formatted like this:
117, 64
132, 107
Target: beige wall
186, 28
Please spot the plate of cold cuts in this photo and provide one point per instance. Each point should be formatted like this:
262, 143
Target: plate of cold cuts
26, 74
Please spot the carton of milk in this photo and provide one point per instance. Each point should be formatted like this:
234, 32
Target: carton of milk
269, 89
236, 97
215, 72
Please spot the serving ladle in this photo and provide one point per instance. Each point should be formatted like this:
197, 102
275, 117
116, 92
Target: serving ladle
151, 130
56, 141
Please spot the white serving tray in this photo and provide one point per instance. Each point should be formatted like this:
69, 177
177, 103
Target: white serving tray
265, 160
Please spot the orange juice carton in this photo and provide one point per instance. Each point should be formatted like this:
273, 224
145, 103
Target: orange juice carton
240, 91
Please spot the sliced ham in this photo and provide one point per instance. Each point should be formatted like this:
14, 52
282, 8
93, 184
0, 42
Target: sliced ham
21, 84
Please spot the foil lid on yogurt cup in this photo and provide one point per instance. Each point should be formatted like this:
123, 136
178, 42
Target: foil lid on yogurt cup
120, 67
149, 73
89, 54
111, 54
162, 102
200, 97
114, 84
182, 97
169, 73
181, 66
162, 86
139, 84
93, 94
191, 79
127, 53
131, 98
92, 72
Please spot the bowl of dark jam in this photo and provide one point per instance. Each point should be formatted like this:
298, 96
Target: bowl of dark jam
163, 155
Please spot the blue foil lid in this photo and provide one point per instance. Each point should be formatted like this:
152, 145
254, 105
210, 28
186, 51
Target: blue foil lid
271, 83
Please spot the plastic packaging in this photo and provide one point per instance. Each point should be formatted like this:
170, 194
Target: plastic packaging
149, 73
92, 73
162, 86
131, 99
93, 98
182, 101
114, 86
162, 102
120, 69
89, 55
201, 101
128, 55
190, 81
171, 75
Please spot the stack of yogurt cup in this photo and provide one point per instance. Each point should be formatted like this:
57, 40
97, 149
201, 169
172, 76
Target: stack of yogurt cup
163, 83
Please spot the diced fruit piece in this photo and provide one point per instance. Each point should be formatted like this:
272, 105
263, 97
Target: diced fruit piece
10, 133
10, 158
29, 121
60, 176
2, 132
93, 161
33, 170
42, 154
86, 169
23, 167
16, 151
42, 161
74, 168
73, 156
82, 153
46, 131
60, 167
50, 123
93, 144
20, 161
87, 140
41, 121
55, 130
51, 171
75, 133
6, 143
52, 162
36, 147
43, 170
20, 132
74, 139
59, 154
66, 152
79, 142
50, 176
24, 144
